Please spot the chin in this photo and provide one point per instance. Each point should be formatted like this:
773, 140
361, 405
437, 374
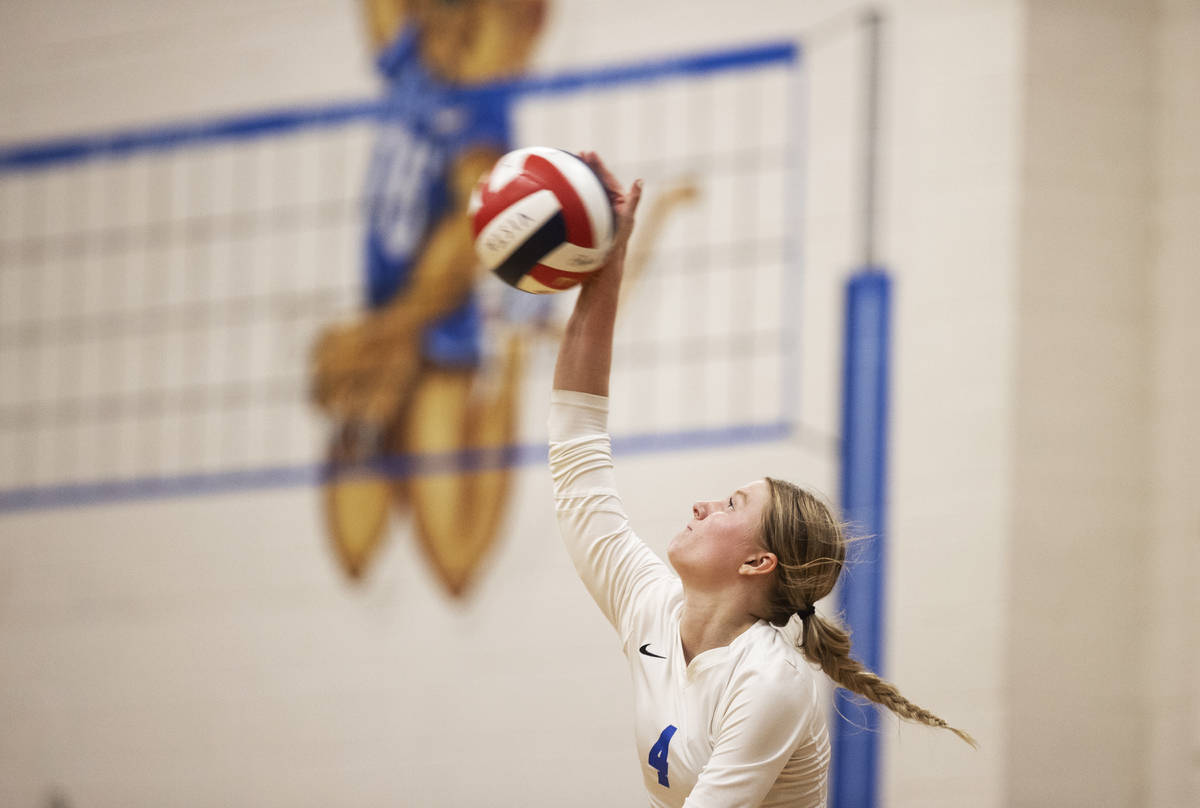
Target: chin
673, 546
677, 549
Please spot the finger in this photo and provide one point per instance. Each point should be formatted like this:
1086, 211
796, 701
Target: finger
630, 209
635, 196
610, 182
606, 176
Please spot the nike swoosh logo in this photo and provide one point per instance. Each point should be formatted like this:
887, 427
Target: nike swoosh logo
643, 650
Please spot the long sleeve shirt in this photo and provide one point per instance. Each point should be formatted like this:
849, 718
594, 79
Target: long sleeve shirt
740, 725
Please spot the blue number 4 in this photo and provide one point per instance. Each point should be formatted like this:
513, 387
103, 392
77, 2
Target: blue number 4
658, 754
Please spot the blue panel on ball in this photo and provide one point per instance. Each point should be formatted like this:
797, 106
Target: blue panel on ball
524, 258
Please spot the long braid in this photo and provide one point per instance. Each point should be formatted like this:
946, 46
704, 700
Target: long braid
811, 551
828, 645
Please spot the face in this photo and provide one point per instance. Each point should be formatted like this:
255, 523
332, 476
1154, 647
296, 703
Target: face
722, 538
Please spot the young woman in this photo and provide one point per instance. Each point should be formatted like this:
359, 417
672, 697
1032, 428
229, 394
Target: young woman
727, 709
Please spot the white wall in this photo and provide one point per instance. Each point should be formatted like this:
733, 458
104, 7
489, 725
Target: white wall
71, 66
1038, 159
206, 652
1173, 553
954, 93
1103, 551
1082, 455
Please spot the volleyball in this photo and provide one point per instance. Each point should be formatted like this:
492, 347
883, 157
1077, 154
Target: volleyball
542, 220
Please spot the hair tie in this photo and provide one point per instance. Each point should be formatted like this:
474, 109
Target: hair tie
806, 612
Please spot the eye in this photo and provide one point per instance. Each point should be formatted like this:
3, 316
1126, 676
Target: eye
731, 503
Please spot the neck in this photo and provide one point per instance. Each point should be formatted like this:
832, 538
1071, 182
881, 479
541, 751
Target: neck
709, 621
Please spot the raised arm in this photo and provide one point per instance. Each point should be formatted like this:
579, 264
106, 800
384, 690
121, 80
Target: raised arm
616, 567
585, 356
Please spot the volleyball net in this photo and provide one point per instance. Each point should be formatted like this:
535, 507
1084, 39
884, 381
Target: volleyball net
161, 289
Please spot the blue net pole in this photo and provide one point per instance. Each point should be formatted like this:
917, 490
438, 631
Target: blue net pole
863, 486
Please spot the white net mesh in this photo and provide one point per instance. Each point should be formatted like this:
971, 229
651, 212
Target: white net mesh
157, 307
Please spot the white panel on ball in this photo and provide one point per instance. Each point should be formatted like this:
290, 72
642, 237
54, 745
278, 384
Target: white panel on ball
508, 231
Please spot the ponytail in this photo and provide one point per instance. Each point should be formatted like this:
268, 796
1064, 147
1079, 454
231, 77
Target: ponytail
811, 550
828, 645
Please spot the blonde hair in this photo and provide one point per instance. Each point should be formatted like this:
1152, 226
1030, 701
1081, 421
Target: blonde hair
810, 545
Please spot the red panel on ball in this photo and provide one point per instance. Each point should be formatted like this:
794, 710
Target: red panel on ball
492, 203
579, 229
556, 278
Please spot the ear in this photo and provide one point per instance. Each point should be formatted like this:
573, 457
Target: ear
760, 563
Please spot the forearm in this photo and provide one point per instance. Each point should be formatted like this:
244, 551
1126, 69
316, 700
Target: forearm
585, 356
611, 560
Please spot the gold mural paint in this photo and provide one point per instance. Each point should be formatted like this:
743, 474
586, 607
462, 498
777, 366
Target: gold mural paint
370, 375
386, 400
357, 510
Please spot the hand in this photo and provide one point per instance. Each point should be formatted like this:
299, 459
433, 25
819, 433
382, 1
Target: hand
624, 202
585, 356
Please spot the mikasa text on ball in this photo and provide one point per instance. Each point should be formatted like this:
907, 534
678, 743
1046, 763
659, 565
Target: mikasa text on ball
542, 220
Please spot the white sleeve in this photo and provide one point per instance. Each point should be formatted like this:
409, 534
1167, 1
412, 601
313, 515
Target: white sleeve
616, 567
762, 727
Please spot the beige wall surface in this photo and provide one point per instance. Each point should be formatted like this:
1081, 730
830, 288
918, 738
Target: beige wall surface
1104, 544
1040, 194
1173, 557
1080, 443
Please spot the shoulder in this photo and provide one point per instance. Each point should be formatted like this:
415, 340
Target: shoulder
771, 704
655, 602
774, 670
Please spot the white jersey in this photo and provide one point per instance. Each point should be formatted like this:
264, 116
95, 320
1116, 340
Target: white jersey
739, 726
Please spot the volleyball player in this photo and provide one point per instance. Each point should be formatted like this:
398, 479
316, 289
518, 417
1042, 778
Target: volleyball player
727, 706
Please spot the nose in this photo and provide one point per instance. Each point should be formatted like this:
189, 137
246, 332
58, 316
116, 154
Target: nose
702, 509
